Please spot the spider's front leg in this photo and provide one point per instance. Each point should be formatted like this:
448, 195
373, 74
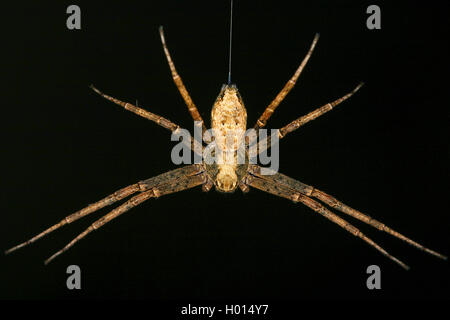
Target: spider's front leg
163, 122
286, 187
109, 200
170, 182
261, 123
297, 123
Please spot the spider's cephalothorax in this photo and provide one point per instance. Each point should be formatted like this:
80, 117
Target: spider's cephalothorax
229, 121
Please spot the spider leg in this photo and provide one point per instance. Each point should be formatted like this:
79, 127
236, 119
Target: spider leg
282, 191
287, 87
281, 179
109, 200
136, 200
180, 85
170, 182
317, 207
294, 125
163, 122
116, 196
334, 203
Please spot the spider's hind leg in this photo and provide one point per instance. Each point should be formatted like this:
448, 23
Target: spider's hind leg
170, 182
273, 186
116, 196
334, 203
286, 187
136, 200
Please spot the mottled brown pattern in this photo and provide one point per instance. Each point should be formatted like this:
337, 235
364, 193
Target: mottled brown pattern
270, 186
174, 181
116, 196
292, 189
172, 175
334, 203
282, 180
229, 115
229, 122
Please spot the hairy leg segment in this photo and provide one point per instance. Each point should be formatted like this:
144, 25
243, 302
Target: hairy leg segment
170, 182
286, 187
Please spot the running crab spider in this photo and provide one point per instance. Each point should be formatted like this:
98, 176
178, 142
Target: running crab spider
228, 114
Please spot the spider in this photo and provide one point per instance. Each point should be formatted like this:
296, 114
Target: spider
228, 115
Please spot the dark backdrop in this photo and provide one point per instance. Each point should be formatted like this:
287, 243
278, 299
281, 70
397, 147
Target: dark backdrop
384, 151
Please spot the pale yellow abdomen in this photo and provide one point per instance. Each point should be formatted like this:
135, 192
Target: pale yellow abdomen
229, 122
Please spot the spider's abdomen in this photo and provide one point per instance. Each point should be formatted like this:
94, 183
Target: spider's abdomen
229, 122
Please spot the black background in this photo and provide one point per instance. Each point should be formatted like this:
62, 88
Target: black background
384, 151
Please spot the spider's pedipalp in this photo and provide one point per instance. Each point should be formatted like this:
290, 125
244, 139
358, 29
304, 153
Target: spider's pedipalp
287, 87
